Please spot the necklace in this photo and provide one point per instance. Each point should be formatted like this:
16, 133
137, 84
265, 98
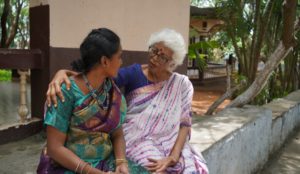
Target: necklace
102, 104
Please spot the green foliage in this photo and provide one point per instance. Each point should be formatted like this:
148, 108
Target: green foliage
262, 98
202, 3
238, 79
21, 39
253, 32
202, 46
5, 75
274, 89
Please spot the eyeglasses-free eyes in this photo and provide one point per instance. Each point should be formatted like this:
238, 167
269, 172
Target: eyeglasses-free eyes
160, 57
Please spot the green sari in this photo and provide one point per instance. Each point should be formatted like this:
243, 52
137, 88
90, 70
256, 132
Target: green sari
88, 128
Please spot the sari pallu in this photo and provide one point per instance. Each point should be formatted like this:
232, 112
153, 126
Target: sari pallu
87, 126
155, 114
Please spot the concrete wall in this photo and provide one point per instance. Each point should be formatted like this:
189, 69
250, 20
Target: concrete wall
69, 21
57, 27
240, 140
286, 117
134, 20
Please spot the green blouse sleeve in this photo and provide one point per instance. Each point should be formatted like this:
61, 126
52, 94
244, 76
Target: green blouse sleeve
123, 110
59, 117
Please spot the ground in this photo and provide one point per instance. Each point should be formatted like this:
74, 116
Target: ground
206, 93
287, 160
21, 157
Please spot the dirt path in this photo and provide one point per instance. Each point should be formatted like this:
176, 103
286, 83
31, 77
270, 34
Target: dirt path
205, 94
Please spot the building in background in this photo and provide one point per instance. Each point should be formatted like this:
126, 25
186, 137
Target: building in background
204, 23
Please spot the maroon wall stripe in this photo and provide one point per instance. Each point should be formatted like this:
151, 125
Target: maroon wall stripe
61, 58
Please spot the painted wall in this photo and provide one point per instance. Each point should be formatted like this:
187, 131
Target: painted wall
133, 20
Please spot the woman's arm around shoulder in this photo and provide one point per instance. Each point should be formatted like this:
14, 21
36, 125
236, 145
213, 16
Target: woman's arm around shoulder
54, 87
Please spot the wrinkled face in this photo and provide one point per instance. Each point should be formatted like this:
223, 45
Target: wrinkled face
114, 63
160, 57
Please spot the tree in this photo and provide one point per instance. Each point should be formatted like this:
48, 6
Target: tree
283, 49
14, 23
261, 30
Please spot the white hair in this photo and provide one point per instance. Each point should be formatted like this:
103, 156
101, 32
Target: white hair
173, 40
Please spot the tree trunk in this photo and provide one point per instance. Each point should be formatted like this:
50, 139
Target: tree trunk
283, 49
225, 96
14, 27
289, 16
3, 23
280, 53
254, 45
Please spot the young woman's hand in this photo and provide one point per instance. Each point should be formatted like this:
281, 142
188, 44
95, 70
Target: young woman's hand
160, 165
54, 86
122, 168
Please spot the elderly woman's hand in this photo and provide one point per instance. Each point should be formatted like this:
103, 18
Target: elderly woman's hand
54, 87
160, 165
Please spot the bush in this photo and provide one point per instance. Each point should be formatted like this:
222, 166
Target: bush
5, 75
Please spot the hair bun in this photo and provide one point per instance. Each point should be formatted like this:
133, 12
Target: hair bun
78, 65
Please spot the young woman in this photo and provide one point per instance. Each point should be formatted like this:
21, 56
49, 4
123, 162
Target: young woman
84, 132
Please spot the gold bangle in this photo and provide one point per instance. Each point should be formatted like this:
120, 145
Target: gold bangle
77, 167
84, 165
120, 161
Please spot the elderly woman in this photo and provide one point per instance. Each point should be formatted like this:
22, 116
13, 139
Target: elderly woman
158, 120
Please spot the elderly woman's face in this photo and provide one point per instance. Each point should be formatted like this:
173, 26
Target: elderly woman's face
160, 56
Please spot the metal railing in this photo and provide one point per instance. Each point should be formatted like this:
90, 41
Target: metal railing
214, 71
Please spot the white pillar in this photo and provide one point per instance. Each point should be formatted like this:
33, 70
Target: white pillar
23, 109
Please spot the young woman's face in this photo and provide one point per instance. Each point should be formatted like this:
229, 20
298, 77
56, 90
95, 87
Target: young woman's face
114, 63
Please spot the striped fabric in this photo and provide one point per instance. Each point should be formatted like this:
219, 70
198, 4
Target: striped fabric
154, 116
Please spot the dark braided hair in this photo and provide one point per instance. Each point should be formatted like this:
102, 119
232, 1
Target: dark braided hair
99, 42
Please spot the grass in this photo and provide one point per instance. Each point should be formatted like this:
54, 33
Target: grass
5, 75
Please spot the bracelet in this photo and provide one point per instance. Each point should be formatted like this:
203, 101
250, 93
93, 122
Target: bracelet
77, 167
120, 161
85, 164
89, 170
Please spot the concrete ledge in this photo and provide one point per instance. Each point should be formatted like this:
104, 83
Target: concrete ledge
240, 140
18, 131
286, 117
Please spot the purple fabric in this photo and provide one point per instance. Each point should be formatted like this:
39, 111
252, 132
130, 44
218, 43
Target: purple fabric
131, 78
48, 166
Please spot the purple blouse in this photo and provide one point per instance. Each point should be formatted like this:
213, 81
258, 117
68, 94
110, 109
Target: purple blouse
131, 78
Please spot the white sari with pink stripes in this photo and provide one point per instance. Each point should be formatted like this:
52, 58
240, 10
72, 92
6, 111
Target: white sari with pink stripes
155, 114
